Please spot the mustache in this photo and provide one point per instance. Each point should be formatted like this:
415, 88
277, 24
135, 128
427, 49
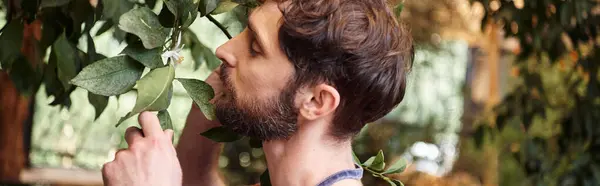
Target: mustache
225, 80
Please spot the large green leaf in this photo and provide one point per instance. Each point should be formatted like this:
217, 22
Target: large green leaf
378, 164
201, 93
397, 167
221, 134
99, 102
143, 23
67, 61
53, 85
53, 3
114, 9
224, 6
153, 91
185, 11
110, 76
10, 42
207, 6
149, 57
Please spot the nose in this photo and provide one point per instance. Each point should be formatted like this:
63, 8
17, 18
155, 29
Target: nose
225, 55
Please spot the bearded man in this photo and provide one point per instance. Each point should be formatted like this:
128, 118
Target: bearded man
305, 76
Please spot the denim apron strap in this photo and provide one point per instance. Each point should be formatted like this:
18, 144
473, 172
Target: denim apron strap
356, 173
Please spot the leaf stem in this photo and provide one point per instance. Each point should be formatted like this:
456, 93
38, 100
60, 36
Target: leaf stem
223, 29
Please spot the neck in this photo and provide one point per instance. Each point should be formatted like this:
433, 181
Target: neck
308, 157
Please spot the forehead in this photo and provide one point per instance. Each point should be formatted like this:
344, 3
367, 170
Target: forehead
266, 16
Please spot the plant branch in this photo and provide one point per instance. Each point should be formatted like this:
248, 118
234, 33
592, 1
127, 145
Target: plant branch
223, 29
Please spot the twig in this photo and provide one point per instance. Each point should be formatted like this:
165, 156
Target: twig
223, 29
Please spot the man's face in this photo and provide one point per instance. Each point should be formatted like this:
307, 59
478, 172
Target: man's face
258, 99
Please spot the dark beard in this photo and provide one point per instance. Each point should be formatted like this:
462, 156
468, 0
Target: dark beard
273, 119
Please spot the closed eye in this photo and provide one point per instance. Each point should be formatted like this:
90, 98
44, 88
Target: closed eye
254, 47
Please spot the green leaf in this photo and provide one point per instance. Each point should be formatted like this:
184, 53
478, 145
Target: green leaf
110, 76
153, 91
185, 11
398, 9
66, 60
255, 143
207, 6
114, 9
221, 134
51, 82
369, 162
99, 102
166, 18
24, 77
378, 164
53, 3
165, 120
397, 182
201, 93
105, 27
202, 53
265, 178
356, 160
143, 23
10, 42
91, 48
397, 167
391, 182
149, 57
224, 6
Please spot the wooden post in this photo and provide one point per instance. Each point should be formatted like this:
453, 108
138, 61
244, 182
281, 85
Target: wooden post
14, 111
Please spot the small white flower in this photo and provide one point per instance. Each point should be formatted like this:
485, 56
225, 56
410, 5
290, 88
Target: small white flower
175, 54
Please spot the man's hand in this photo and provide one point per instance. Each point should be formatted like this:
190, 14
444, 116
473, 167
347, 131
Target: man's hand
150, 159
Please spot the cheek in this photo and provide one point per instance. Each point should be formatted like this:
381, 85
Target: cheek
261, 80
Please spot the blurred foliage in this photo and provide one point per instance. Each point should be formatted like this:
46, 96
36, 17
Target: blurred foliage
548, 123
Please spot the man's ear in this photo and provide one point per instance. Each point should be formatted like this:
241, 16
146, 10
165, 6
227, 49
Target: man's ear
319, 101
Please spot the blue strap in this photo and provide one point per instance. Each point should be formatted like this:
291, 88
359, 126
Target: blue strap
342, 175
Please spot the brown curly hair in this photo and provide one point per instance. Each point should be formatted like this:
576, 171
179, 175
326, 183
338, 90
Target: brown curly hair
357, 46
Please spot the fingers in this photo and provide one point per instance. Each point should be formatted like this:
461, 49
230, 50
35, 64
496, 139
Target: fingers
150, 124
133, 134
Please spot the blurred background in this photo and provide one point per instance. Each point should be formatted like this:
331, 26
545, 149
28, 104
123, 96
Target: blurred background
502, 92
